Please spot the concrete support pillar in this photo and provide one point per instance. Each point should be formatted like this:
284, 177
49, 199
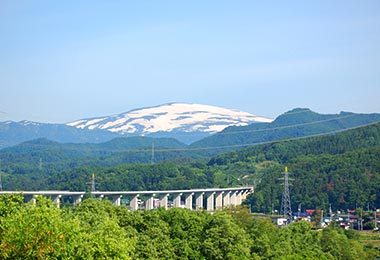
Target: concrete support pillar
219, 200
57, 200
164, 201
177, 200
233, 198
134, 202
199, 200
78, 199
226, 199
189, 201
244, 195
31, 199
210, 201
238, 197
149, 203
117, 200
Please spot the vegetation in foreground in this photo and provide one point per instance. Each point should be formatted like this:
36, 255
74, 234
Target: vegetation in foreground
98, 230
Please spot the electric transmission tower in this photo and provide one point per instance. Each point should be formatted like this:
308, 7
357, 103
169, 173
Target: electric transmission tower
286, 208
92, 184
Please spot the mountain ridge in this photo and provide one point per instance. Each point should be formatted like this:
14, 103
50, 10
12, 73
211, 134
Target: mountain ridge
170, 118
186, 122
299, 122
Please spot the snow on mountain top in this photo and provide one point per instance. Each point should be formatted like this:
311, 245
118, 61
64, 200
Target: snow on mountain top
171, 117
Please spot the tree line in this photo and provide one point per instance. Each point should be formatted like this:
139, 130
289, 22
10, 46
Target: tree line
95, 229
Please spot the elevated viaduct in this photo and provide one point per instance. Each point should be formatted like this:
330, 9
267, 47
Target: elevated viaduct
193, 199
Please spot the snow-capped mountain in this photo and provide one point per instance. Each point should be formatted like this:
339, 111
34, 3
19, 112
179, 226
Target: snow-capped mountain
170, 118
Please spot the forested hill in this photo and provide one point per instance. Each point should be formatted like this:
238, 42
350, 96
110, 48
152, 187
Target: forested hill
286, 150
298, 122
27, 157
341, 169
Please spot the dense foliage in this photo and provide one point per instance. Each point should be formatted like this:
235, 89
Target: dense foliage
341, 170
96, 229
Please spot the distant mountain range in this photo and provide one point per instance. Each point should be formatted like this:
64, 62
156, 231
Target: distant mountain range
184, 122
196, 126
12, 133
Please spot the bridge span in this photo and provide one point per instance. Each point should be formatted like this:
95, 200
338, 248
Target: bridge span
194, 199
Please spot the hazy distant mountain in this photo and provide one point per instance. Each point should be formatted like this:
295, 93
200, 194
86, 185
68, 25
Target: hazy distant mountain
12, 133
185, 122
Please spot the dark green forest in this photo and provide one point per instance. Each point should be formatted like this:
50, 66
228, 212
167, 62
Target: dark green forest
95, 229
341, 170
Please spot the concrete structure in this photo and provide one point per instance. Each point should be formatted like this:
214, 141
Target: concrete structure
209, 199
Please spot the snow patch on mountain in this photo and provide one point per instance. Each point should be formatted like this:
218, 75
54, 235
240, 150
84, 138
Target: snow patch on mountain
173, 117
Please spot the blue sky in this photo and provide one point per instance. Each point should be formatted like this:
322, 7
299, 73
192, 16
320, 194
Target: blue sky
65, 60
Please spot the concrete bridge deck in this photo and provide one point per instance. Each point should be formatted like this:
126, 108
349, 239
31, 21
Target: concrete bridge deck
209, 199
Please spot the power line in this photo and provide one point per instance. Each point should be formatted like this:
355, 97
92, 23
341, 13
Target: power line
284, 127
243, 145
280, 127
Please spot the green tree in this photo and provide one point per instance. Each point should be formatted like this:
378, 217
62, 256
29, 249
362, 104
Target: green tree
224, 239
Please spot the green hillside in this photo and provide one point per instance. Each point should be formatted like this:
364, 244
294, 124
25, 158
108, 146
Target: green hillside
341, 169
296, 123
30, 164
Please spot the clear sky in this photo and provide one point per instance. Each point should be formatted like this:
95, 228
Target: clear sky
65, 60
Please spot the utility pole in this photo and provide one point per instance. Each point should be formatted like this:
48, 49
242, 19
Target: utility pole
286, 208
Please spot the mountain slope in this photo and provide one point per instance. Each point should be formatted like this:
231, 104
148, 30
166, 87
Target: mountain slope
340, 170
296, 123
185, 122
12, 133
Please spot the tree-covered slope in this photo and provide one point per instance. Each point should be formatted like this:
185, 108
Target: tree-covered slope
50, 151
341, 170
285, 150
295, 123
30, 164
